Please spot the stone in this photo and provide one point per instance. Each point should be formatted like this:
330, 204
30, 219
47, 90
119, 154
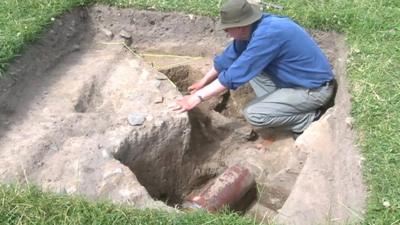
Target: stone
116, 171
386, 204
125, 34
158, 99
160, 76
71, 190
105, 154
136, 119
149, 118
53, 147
157, 83
246, 133
349, 122
109, 34
159, 123
76, 47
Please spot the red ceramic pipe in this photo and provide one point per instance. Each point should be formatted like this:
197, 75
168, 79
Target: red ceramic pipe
226, 190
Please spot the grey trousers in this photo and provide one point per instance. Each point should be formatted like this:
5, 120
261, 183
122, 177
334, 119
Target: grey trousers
284, 108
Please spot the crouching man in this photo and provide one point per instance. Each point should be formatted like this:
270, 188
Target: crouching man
290, 75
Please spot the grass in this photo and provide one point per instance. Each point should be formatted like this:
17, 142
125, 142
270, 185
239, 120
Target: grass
372, 29
32, 206
22, 21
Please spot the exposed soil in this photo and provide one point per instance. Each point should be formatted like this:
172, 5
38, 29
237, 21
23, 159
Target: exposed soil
181, 47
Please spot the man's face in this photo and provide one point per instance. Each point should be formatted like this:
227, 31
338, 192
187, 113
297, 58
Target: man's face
239, 33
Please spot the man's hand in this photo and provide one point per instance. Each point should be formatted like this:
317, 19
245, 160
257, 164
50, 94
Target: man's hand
197, 86
186, 103
210, 76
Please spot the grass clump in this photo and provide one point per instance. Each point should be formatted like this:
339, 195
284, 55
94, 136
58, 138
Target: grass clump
22, 21
29, 205
204, 7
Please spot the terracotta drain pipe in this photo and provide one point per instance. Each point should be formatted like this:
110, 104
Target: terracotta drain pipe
226, 190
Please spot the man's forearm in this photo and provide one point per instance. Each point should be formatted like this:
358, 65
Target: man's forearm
211, 75
213, 89
188, 102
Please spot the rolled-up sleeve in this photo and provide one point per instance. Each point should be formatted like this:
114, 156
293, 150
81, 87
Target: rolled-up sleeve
259, 53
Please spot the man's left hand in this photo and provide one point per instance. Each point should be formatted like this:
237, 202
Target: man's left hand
186, 103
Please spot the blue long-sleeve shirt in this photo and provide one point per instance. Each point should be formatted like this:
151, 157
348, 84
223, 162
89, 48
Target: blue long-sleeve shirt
279, 47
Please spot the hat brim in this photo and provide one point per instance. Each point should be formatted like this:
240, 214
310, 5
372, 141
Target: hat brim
256, 15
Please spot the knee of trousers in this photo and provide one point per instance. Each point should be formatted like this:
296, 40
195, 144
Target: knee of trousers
257, 117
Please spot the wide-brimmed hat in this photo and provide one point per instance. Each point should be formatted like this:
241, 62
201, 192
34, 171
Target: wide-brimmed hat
238, 13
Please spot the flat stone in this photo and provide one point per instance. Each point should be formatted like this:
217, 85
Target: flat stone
136, 119
53, 147
125, 34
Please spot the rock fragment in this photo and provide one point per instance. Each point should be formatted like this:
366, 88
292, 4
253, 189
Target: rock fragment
76, 47
349, 122
160, 76
125, 34
158, 99
386, 204
109, 34
245, 133
157, 83
136, 119
105, 154
53, 147
110, 173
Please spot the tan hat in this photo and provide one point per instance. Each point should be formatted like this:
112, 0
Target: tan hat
238, 13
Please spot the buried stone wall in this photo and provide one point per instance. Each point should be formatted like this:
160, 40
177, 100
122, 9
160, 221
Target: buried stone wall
65, 120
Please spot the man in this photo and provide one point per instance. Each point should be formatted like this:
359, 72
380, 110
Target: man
289, 73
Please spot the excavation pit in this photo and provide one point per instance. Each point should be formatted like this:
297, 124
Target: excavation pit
65, 109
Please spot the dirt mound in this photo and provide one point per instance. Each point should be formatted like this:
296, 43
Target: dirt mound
86, 112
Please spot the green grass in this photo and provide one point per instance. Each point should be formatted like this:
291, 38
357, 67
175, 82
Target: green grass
31, 206
22, 21
372, 29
